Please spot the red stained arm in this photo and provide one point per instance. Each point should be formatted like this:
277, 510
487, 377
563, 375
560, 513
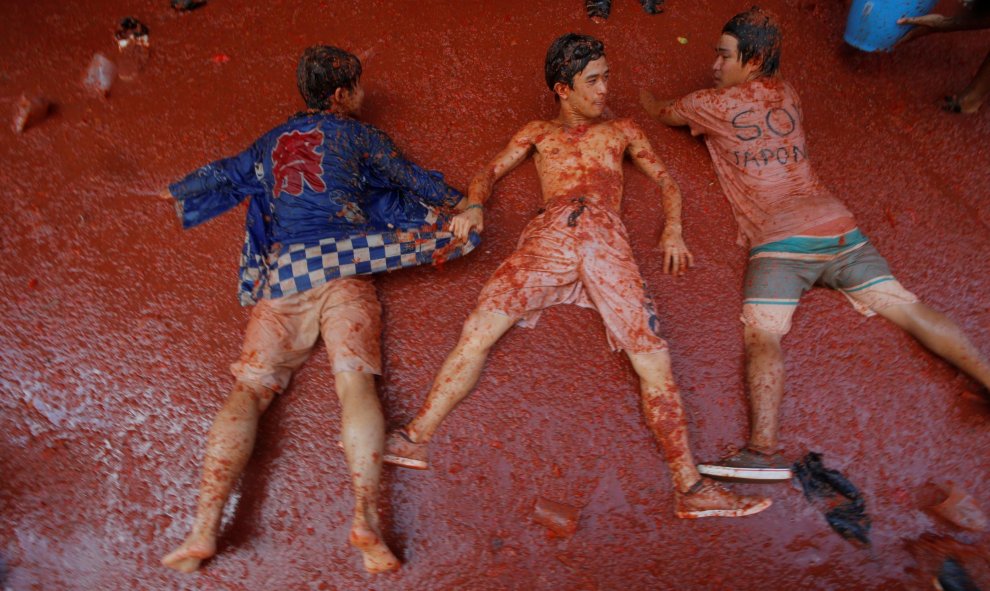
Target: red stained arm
642, 155
661, 109
519, 148
676, 257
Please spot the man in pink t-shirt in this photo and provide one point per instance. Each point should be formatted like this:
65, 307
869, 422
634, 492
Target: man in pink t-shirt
798, 233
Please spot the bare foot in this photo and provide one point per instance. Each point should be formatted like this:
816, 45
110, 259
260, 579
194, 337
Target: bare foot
709, 499
960, 104
194, 550
377, 557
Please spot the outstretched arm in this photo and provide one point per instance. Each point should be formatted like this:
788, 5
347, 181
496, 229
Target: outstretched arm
215, 188
484, 182
676, 257
660, 109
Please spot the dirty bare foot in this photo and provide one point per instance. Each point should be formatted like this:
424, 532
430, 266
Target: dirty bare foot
377, 557
187, 557
709, 499
961, 104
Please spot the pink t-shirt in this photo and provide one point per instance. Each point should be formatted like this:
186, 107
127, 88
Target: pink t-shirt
755, 136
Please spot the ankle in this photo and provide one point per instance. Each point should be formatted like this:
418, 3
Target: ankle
763, 450
413, 435
694, 488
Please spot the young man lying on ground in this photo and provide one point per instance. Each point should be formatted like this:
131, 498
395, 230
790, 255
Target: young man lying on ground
331, 199
799, 234
576, 251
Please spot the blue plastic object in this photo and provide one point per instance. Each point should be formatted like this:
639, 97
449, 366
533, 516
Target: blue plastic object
872, 24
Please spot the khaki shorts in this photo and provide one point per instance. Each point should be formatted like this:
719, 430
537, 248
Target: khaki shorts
779, 273
577, 252
282, 332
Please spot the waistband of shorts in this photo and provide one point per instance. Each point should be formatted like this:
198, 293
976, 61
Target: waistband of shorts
576, 201
811, 246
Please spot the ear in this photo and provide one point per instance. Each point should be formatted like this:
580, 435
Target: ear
755, 64
340, 95
562, 90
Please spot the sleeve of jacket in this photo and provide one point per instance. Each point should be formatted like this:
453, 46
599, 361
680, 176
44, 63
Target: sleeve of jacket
386, 162
216, 187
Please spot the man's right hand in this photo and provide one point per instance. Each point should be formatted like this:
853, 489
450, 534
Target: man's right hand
462, 223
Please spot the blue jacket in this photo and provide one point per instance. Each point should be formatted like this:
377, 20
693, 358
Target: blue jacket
316, 177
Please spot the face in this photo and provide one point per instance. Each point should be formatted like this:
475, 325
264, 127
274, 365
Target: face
590, 89
354, 98
728, 70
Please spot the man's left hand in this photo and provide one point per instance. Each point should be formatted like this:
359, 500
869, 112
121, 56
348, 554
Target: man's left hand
676, 256
470, 219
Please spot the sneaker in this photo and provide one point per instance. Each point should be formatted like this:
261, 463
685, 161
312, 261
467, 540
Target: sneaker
747, 464
402, 451
707, 498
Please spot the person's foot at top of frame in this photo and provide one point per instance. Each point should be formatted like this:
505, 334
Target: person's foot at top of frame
576, 251
799, 234
975, 14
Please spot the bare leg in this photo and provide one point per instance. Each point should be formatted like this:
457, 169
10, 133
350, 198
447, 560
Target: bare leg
664, 414
228, 448
765, 377
363, 436
977, 91
460, 372
696, 496
942, 336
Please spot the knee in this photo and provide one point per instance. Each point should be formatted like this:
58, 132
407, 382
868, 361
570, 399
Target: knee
655, 375
479, 334
247, 399
760, 341
912, 317
354, 385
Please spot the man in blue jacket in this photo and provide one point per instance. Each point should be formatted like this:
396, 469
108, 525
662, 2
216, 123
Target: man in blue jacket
331, 201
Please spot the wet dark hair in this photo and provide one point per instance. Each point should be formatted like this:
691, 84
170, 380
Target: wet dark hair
759, 37
322, 70
568, 55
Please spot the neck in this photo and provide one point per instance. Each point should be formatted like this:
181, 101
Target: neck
572, 118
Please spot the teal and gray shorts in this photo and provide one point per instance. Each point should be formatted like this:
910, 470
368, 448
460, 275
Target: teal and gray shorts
780, 272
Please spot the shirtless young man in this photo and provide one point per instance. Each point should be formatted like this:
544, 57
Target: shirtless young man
576, 251
799, 234
328, 196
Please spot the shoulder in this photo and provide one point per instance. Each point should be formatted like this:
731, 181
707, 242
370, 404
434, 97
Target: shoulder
714, 97
356, 127
625, 124
536, 128
788, 89
628, 128
532, 133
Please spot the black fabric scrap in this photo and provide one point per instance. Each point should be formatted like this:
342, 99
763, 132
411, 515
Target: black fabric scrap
848, 518
953, 577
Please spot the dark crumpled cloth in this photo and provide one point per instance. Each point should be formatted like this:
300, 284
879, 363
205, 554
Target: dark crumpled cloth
847, 517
